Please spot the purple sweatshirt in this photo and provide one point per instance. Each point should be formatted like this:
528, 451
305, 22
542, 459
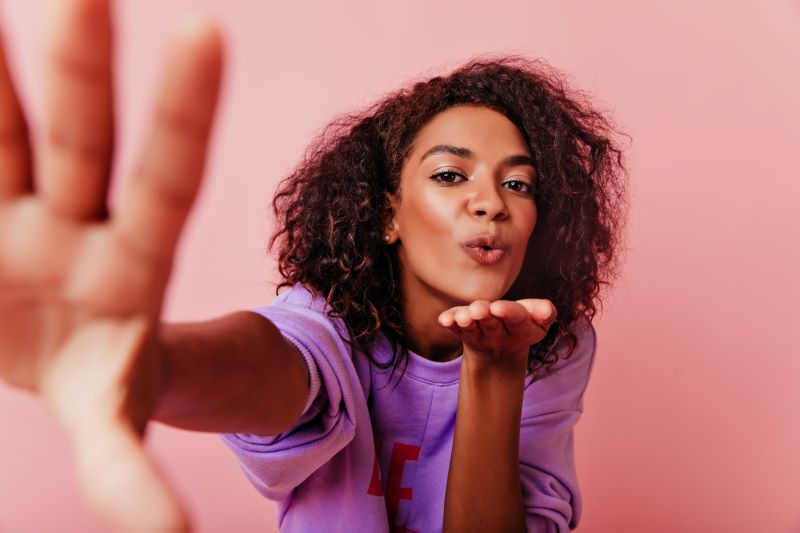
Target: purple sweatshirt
366, 456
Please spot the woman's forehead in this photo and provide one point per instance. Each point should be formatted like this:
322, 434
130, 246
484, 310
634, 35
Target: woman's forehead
469, 130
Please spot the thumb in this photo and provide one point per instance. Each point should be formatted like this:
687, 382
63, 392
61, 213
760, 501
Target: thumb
122, 484
89, 386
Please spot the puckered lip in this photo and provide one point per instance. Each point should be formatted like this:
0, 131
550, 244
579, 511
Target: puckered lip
486, 241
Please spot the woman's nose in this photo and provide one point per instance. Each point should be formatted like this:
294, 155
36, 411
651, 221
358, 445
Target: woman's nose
486, 201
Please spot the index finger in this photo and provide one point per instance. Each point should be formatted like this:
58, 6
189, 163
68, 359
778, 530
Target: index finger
163, 188
542, 311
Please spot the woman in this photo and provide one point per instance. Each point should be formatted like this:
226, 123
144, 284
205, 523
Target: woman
460, 229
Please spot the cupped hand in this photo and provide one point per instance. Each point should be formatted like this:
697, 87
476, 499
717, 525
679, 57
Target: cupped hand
500, 332
82, 285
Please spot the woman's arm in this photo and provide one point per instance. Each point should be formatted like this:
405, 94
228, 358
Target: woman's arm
234, 374
484, 492
82, 285
484, 488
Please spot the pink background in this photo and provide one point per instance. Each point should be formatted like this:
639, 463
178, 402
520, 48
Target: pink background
692, 419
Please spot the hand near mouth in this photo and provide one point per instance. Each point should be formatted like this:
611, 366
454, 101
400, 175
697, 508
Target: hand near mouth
501, 332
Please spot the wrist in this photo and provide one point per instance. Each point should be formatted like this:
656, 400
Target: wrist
511, 366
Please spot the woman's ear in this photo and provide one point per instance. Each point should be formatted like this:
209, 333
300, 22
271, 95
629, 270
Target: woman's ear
392, 228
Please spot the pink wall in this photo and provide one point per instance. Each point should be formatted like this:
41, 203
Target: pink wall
692, 419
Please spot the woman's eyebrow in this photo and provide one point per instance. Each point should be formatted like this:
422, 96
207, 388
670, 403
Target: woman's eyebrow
510, 161
516, 160
448, 149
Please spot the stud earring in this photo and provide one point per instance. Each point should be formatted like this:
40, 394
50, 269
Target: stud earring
386, 238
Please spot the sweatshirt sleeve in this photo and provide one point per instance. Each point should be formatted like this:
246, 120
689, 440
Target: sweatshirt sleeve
276, 464
552, 406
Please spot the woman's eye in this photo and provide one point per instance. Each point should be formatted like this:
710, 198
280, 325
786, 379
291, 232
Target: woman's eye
519, 186
448, 177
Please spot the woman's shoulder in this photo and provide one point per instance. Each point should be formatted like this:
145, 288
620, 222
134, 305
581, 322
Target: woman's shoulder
300, 306
561, 386
584, 332
300, 299
585, 342
301, 296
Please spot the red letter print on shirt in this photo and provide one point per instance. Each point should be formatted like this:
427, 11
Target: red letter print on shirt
401, 453
375, 487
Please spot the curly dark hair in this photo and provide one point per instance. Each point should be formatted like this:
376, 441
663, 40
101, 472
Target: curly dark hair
332, 209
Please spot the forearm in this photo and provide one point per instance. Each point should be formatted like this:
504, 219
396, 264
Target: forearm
234, 374
484, 491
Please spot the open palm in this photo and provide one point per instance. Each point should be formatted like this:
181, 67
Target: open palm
81, 288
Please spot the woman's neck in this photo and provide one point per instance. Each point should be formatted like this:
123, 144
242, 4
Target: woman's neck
422, 307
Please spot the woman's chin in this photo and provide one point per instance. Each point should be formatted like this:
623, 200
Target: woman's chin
469, 293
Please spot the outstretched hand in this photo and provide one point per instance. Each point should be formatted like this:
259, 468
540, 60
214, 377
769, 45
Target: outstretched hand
500, 332
81, 288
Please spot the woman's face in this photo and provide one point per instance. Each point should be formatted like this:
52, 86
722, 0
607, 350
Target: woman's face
466, 208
